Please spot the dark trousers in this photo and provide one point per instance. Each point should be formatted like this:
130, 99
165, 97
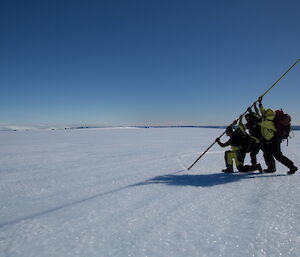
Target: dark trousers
253, 152
272, 150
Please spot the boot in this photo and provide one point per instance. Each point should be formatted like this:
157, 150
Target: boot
269, 170
292, 170
242, 168
258, 167
249, 168
229, 169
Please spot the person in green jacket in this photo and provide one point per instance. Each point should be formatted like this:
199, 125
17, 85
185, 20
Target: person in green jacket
271, 143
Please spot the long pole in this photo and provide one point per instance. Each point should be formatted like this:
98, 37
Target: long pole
281, 77
291, 67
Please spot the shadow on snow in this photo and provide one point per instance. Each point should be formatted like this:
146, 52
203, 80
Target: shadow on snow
173, 179
203, 180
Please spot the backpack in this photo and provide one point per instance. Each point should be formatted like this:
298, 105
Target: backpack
282, 123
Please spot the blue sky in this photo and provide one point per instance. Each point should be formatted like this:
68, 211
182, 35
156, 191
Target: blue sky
118, 62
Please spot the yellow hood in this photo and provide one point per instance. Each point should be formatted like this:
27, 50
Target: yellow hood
269, 114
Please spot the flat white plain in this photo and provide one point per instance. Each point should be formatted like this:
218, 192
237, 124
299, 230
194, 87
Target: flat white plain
126, 192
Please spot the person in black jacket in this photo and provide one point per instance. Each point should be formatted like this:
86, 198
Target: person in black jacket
254, 131
240, 144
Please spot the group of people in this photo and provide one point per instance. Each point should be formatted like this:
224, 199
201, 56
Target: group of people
259, 133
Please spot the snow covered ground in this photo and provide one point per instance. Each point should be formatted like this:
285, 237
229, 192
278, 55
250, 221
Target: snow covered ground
125, 192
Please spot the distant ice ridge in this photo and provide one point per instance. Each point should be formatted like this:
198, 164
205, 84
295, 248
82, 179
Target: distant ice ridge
26, 127
21, 127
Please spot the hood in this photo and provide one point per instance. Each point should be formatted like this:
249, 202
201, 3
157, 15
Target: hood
269, 114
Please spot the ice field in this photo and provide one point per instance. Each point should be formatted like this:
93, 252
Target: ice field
126, 192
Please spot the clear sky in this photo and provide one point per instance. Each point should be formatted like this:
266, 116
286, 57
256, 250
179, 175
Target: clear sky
129, 62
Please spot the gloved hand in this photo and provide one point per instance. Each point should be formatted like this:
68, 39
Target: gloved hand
249, 109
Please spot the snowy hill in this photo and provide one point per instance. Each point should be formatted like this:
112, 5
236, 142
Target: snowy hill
125, 192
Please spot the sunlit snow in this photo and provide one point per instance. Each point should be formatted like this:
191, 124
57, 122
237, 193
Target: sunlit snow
126, 192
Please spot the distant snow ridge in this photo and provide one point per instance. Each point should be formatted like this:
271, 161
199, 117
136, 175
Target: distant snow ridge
25, 127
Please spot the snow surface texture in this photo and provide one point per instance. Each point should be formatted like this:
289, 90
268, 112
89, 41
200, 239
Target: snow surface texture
125, 192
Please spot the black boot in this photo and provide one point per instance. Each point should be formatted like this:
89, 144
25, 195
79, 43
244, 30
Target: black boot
258, 167
269, 170
248, 168
242, 168
292, 170
229, 169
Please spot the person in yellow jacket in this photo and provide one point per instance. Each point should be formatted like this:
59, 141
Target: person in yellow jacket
267, 125
271, 143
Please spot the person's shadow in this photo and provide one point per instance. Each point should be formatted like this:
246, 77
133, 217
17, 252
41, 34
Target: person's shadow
202, 180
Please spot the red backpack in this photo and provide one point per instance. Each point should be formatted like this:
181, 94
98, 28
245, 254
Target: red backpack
283, 124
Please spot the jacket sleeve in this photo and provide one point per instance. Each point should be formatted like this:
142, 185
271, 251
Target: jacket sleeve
257, 111
262, 109
268, 125
243, 129
268, 129
228, 143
